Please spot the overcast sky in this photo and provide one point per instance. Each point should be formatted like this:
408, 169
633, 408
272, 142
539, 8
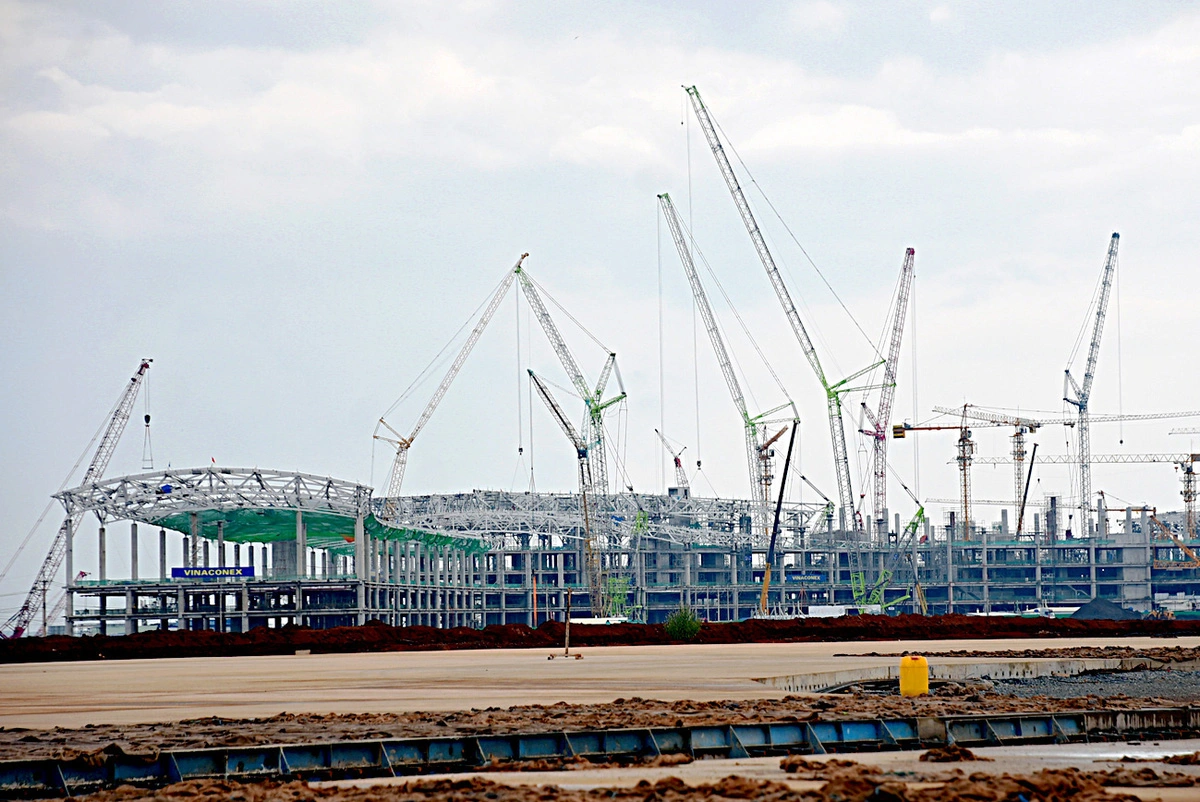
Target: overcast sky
293, 207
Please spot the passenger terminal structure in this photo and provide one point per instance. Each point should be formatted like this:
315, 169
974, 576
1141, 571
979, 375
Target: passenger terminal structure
265, 548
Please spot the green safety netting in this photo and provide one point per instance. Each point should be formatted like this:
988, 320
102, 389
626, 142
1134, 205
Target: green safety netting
324, 530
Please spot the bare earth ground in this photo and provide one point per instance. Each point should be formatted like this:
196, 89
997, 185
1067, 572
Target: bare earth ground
59, 708
74, 694
20, 743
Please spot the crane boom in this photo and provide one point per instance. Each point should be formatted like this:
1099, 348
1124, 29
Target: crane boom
757, 453
1034, 423
596, 589
402, 443
882, 418
19, 622
834, 392
681, 480
1083, 394
593, 430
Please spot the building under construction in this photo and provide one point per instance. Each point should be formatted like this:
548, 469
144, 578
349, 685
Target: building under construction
265, 548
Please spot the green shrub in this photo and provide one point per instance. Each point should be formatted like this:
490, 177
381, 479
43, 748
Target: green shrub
683, 624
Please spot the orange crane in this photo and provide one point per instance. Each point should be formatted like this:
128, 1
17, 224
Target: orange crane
1192, 556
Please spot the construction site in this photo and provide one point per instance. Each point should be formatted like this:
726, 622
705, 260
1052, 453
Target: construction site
269, 548
244, 550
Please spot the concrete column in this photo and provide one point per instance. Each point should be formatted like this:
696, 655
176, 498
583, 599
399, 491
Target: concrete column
194, 546
312, 559
359, 536
130, 611
70, 562
205, 562
300, 543
266, 556
220, 544
162, 556
133, 550
237, 555
103, 575
246, 605
1004, 523
325, 563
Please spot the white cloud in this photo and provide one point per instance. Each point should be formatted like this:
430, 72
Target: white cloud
941, 14
817, 17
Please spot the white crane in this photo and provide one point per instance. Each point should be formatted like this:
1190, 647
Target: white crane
833, 392
35, 600
681, 479
593, 429
1078, 395
402, 443
595, 580
881, 419
758, 444
1024, 424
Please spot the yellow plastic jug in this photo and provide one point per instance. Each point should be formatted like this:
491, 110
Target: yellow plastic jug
914, 675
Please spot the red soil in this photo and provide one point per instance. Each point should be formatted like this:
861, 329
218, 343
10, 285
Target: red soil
380, 637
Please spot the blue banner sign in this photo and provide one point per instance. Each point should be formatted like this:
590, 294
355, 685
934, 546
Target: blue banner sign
212, 573
806, 576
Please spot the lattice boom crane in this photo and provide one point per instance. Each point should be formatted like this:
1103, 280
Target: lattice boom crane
36, 598
402, 443
1078, 396
833, 392
882, 418
757, 447
593, 430
681, 479
596, 594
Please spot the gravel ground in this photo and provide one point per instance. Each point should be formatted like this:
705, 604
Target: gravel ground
1179, 686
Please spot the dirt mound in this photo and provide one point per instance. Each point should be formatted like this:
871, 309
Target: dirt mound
377, 637
293, 728
1103, 610
950, 753
1162, 654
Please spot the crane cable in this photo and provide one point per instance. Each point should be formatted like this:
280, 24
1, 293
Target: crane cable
791, 234
741, 322
61, 487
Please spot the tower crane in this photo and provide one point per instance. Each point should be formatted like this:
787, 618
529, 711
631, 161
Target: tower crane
758, 451
881, 418
35, 600
1079, 395
834, 391
1185, 462
966, 455
1023, 425
402, 443
593, 429
681, 480
586, 484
